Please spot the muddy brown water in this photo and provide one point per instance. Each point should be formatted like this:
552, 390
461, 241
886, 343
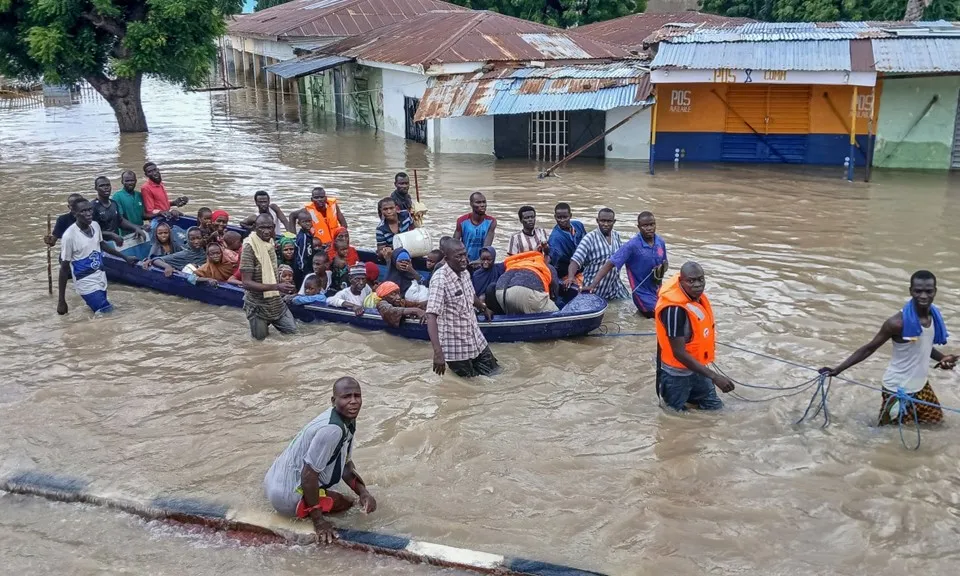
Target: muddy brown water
565, 457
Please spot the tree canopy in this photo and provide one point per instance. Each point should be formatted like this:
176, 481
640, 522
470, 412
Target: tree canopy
112, 44
827, 10
561, 13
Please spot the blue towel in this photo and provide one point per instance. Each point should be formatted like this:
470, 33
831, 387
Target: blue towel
303, 299
911, 324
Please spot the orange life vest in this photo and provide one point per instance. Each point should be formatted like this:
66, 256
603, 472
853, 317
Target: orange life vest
323, 226
533, 261
703, 338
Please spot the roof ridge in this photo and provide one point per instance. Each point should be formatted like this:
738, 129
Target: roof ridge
475, 21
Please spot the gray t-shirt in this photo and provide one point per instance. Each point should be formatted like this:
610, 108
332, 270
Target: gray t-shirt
314, 446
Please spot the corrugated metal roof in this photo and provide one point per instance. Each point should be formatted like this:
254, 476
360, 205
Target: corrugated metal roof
304, 66
799, 31
525, 90
917, 55
331, 18
632, 30
783, 55
457, 37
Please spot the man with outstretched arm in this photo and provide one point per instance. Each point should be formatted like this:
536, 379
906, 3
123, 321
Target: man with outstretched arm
81, 256
686, 343
304, 481
914, 330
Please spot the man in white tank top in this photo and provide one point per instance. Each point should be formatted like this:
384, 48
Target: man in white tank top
264, 206
914, 331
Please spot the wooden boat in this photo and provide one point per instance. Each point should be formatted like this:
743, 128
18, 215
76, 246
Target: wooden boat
581, 315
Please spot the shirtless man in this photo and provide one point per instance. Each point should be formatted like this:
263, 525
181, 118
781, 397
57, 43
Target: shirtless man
914, 331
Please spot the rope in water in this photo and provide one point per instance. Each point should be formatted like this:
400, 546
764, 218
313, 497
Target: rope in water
821, 384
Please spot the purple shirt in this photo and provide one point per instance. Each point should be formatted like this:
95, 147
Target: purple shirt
641, 258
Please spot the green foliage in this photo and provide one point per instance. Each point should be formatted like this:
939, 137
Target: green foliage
561, 13
827, 10
65, 40
264, 4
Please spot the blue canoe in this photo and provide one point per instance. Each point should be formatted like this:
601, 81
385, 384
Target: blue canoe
580, 316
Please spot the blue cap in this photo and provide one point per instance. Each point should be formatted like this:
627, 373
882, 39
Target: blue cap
402, 254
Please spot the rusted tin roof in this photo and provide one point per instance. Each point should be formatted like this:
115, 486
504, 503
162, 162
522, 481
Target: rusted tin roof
534, 89
633, 30
917, 55
457, 37
813, 55
331, 18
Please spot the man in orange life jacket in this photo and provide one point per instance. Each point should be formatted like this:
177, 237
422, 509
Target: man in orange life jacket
527, 284
686, 343
326, 215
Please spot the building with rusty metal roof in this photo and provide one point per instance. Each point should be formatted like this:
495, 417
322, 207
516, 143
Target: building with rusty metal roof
632, 31
482, 82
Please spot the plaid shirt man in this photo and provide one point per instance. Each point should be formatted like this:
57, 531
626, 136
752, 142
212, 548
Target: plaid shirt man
451, 299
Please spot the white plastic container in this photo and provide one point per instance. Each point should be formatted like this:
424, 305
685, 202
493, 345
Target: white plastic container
417, 242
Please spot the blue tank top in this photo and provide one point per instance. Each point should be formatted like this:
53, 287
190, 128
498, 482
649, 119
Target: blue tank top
474, 235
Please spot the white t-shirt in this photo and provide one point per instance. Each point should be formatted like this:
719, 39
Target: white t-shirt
345, 296
314, 446
85, 258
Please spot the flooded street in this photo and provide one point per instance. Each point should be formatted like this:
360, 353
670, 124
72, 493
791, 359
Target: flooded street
566, 457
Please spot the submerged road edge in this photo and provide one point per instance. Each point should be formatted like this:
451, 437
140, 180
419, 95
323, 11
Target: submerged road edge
220, 517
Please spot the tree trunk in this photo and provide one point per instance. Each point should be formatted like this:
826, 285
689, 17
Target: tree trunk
123, 95
915, 9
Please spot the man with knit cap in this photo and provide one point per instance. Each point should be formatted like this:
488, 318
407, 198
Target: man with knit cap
352, 296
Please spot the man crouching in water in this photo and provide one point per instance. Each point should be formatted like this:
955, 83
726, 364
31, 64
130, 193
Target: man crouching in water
299, 482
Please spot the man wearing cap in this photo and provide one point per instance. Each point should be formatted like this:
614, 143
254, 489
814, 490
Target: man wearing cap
352, 296
305, 480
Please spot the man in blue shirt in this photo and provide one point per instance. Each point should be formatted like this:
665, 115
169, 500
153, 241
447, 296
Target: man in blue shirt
646, 258
564, 238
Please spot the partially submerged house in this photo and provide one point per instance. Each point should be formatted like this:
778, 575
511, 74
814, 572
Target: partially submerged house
288, 30
564, 89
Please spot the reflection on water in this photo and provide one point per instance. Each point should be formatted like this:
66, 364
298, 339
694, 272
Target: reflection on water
566, 456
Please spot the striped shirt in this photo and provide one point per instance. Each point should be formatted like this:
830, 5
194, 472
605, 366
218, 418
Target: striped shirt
592, 253
520, 242
385, 234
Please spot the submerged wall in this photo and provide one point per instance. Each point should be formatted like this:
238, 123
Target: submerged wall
632, 140
928, 145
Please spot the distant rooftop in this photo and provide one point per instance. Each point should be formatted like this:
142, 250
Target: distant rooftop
334, 19
474, 36
799, 31
631, 31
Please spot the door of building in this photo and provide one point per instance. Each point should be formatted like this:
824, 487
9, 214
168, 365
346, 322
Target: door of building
416, 131
766, 123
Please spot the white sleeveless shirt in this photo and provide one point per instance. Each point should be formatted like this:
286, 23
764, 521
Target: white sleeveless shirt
910, 363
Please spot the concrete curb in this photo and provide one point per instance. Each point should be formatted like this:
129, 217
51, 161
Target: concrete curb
221, 517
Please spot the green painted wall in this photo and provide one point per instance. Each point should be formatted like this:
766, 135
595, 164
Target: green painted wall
929, 144
363, 94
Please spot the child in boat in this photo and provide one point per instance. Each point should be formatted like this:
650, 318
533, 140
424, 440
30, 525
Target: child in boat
285, 274
205, 221
321, 269
340, 273
218, 268
164, 242
311, 292
303, 248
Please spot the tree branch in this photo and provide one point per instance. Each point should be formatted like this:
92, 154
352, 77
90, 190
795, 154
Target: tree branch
108, 24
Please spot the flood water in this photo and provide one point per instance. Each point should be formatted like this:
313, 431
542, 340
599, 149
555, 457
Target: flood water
565, 457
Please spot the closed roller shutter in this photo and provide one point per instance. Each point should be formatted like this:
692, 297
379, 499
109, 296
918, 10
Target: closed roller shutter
780, 120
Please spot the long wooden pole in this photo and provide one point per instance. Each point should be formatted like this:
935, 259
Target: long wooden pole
593, 141
416, 184
49, 260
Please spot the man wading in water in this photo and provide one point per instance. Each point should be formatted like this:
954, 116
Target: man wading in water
258, 270
300, 480
686, 343
914, 330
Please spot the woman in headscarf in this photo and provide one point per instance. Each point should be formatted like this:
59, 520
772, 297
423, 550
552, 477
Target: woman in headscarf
219, 220
341, 247
164, 242
218, 268
392, 307
286, 254
402, 273
193, 254
488, 272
